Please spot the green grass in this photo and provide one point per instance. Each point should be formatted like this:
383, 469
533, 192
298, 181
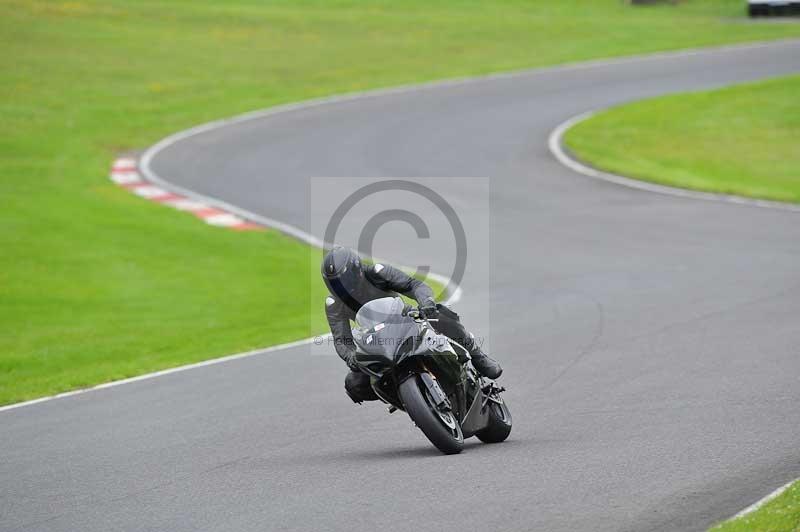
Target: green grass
96, 284
781, 514
741, 140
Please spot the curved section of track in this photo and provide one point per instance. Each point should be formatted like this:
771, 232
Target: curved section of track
650, 342
557, 148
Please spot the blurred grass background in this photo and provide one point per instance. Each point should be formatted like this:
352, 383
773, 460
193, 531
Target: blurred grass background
96, 284
741, 140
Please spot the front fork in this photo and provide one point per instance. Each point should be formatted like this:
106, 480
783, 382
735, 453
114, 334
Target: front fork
437, 394
434, 389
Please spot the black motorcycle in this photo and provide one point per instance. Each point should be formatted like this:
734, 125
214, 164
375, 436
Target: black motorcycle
415, 369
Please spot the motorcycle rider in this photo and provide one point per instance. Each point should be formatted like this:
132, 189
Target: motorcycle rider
351, 284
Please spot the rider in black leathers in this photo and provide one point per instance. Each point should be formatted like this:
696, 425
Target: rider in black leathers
351, 284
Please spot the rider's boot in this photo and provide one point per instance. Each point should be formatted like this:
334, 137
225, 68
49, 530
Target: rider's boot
486, 365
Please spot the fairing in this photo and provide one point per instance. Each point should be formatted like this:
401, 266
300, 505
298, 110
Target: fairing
383, 330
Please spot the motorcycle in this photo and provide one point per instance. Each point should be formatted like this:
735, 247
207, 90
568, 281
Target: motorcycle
426, 374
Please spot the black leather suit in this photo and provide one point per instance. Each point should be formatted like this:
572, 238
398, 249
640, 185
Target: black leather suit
379, 281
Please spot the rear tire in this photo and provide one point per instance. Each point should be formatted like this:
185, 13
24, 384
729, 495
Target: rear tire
442, 429
500, 426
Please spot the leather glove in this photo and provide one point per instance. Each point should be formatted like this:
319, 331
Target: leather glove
428, 309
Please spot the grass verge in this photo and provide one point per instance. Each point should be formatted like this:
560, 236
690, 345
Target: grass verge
742, 140
781, 514
96, 284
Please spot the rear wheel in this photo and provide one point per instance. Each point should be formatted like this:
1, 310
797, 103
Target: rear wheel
500, 425
440, 427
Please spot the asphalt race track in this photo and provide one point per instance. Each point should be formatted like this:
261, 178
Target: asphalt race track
651, 344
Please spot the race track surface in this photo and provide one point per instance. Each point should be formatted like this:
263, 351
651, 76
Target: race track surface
651, 344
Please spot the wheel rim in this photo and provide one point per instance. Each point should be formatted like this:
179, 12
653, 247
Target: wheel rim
447, 418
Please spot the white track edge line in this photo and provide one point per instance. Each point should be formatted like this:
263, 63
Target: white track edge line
146, 376
436, 84
454, 294
297, 233
764, 500
556, 144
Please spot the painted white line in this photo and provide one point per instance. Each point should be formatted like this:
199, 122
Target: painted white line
125, 177
556, 145
146, 160
125, 163
303, 236
161, 373
149, 191
187, 204
454, 291
761, 502
223, 220
124, 173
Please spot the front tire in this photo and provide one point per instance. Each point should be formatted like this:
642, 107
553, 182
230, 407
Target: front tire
441, 428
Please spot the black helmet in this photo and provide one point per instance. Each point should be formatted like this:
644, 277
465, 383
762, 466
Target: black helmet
343, 275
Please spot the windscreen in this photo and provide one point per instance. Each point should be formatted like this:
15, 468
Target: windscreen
382, 326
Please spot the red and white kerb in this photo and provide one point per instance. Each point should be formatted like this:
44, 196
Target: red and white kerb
125, 174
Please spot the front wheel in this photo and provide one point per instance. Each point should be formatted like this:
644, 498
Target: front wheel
441, 428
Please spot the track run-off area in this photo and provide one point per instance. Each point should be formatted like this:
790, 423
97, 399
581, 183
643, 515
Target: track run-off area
650, 342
